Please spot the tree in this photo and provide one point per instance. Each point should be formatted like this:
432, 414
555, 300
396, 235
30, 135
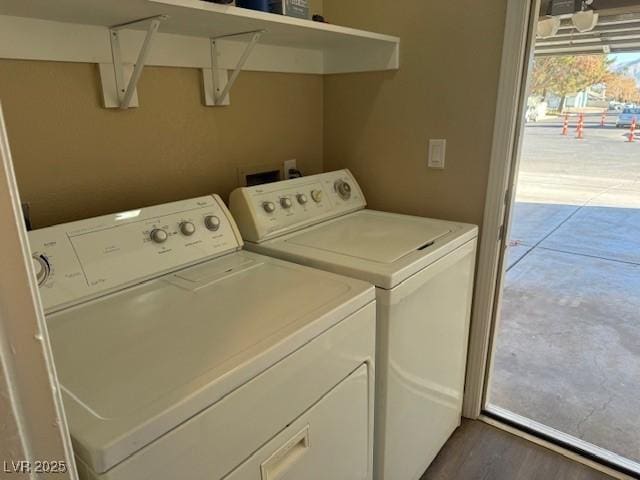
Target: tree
563, 75
622, 88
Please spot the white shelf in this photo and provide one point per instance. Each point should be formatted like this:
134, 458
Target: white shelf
287, 45
199, 18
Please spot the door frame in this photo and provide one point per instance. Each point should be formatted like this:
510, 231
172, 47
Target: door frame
517, 57
32, 401
517, 53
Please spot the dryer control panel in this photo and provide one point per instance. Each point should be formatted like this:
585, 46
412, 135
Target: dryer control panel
83, 259
267, 211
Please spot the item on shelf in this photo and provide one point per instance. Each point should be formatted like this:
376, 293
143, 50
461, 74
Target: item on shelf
262, 5
290, 8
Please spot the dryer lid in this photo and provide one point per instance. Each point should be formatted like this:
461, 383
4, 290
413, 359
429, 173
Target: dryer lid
367, 235
134, 365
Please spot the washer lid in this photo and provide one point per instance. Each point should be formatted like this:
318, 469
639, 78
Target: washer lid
378, 247
134, 365
372, 237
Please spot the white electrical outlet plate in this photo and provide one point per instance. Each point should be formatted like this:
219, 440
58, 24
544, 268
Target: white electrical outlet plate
437, 153
289, 165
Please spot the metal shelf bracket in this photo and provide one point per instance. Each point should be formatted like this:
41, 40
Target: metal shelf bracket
119, 80
217, 81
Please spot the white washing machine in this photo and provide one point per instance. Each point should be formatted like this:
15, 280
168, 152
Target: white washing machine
182, 357
423, 270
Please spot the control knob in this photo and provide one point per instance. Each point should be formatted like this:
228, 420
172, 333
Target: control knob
343, 189
269, 207
187, 228
286, 203
158, 235
302, 199
316, 195
212, 223
41, 268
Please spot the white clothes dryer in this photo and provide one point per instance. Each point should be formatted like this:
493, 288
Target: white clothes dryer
180, 356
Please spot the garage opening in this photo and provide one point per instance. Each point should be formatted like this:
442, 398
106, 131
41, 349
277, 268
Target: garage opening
566, 351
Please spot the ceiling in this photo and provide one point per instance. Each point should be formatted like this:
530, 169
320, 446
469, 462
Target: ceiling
618, 31
608, 6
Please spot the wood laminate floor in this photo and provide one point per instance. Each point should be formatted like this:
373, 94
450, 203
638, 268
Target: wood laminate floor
478, 451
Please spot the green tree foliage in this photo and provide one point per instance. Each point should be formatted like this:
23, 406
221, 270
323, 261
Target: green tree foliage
563, 75
622, 88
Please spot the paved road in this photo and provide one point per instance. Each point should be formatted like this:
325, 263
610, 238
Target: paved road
568, 346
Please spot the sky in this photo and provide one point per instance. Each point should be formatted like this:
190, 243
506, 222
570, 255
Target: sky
624, 57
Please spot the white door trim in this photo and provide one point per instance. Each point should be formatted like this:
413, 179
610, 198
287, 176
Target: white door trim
28, 382
517, 50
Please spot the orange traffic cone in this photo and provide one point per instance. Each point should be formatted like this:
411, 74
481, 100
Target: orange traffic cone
632, 131
580, 128
565, 126
603, 119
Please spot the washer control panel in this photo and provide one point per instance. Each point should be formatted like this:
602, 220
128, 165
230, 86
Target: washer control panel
84, 259
267, 211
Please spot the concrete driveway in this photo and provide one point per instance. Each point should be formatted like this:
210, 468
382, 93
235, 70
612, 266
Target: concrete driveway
568, 344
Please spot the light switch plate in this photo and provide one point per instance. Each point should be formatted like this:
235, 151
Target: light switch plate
437, 153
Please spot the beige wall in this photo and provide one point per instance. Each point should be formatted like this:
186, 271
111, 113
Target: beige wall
74, 159
378, 125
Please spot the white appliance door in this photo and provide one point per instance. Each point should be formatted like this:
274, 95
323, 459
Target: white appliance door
134, 365
329, 441
422, 334
373, 236
216, 442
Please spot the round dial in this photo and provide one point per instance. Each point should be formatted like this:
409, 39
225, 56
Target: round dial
285, 202
212, 222
187, 228
302, 198
41, 268
316, 195
158, 235
269, 207
343, 189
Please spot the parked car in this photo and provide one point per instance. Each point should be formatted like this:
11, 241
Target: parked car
626, 117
